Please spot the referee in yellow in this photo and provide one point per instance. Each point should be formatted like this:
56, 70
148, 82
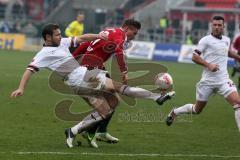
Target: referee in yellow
76, 27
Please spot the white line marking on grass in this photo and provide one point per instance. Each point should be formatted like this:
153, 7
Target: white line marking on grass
130, 155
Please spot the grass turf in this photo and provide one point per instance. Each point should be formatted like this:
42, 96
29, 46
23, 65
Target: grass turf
31, 130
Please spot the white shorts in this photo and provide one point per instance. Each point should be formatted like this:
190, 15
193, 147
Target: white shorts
94, 79
84, 81
204, 90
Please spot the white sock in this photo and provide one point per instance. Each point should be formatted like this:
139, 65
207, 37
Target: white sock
138, 92
75, 128
237, 115
185, 109
87, 122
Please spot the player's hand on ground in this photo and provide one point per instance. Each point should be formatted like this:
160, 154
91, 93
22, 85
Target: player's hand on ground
213, 67
124, 78
17, 93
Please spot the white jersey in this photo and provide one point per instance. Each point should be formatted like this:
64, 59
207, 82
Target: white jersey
214, 51
58, 59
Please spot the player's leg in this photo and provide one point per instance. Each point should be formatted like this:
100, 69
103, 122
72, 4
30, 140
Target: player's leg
86, 123
91, 131
229, 91
102, 134
99, 133
97, 79
202, 94
102, 111
89, 134
136, 92
234, 100
101, 127
185, 109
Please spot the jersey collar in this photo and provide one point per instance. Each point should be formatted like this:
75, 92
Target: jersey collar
220, 37
44, 45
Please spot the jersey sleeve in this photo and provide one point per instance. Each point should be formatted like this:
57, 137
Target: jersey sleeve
118, 39
82, 48
236, 43
122, 63
201, 46
69, 42
36, 64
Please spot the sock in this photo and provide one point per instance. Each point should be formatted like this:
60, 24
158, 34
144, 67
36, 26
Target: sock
185, 109
237, 114
93, 129
87, 122
138, 92
104, 124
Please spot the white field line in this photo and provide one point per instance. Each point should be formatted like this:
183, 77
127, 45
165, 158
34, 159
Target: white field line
124, 154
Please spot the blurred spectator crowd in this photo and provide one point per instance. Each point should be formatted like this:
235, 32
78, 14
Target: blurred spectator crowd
27, 16
24, 16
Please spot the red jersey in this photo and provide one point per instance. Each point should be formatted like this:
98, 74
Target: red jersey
236, 43
99, 51
81, 49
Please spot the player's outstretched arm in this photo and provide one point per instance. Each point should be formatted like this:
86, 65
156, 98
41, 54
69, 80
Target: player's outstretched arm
91, 37
25, 78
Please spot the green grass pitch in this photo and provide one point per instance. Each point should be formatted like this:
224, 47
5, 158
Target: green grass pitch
31, 130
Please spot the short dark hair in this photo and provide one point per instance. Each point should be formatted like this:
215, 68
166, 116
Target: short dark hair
218, 18
132, 23
48, 29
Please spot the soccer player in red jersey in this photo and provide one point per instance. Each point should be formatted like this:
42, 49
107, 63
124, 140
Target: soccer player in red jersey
94, 54
97, 52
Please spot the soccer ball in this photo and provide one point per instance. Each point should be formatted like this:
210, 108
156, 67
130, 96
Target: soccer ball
164, 81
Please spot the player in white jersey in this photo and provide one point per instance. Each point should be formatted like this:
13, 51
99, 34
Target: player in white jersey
55, 56
212, 53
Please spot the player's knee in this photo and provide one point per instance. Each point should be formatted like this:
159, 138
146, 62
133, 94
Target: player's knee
196, 110
236, 106
114, 103
235, 102
112, 100
112, 86
108, 113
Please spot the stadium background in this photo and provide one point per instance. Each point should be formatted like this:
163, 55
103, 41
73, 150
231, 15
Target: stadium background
31, 130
